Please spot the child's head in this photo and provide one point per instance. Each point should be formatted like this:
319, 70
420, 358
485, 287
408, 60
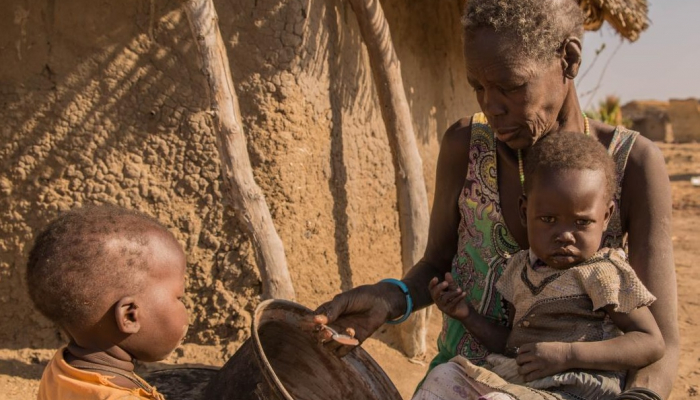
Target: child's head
569, 186
111, 277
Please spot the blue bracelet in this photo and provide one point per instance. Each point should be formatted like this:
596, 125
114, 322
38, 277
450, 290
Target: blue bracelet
409, 300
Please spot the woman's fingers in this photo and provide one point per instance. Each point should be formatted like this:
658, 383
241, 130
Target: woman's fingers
337, 348
334, 308
320, 319
361, 308
328, 313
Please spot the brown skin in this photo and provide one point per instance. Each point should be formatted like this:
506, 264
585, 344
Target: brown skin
565, 214
549, 104
145, 324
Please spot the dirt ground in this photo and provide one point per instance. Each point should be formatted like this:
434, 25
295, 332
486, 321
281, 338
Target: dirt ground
20, 369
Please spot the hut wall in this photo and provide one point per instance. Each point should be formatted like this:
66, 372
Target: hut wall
104, 102
685, 118
653, 128
650, 118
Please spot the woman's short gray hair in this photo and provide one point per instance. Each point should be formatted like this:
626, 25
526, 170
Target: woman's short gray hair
537, 27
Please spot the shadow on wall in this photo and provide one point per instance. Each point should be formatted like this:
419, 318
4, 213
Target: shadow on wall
111, 112
428, 39
312, 73
104, 103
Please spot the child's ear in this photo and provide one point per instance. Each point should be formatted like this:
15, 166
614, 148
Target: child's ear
522, 205
127, 315
608, 214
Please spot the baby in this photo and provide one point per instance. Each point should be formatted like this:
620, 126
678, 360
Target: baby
113, 280
579, 314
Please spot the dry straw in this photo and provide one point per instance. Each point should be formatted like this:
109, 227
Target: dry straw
628, 17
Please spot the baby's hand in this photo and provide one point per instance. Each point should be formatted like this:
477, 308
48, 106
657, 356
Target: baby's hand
449, 297
538, 360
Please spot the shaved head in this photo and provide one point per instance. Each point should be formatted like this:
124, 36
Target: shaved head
84, 254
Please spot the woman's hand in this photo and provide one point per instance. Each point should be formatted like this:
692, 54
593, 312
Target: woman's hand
449, 298
538, 360
364, 309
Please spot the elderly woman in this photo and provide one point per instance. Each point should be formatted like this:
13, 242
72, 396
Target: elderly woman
522, 57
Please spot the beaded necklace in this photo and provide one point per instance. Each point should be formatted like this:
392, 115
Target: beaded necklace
521, 170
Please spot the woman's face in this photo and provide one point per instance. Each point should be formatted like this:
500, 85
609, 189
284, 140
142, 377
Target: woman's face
521, 98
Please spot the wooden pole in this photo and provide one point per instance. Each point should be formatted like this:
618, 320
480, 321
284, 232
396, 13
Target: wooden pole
412, 197
244, 194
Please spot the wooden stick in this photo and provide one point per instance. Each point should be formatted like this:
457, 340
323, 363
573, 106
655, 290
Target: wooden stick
410, 183
244, 194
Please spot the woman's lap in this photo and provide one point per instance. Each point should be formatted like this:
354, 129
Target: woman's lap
449, 381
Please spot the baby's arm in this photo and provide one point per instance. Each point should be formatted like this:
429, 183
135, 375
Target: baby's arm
641, 345
449, 298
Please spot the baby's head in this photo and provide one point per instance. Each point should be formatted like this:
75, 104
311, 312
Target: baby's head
569, 186
111, 277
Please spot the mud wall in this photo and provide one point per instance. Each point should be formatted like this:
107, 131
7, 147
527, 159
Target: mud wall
104, 102
650, 118
685, 117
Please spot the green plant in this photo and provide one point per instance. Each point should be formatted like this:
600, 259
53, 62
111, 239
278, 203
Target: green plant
610, 112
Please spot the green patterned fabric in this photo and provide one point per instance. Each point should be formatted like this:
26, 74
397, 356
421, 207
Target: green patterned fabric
485, 244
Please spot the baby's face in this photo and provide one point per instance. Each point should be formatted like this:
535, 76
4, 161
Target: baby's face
163, 316
566, 212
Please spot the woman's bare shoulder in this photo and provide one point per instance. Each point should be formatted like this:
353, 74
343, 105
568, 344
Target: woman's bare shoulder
644, 157
454, 148
645, 154
645, 171
646, 190
458, 133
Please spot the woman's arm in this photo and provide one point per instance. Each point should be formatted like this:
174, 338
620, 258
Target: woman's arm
646, 216
367, 307
452, 165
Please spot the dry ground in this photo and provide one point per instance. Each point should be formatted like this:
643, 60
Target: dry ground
20, 369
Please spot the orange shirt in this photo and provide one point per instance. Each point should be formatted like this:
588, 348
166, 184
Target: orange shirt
61, 381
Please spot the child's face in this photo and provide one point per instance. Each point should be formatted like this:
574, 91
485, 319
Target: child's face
566, 213
163, 316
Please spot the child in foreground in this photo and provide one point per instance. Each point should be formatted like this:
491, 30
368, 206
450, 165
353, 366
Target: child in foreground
113, 280
579, 314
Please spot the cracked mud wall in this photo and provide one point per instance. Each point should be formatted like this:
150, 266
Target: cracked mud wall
104, 102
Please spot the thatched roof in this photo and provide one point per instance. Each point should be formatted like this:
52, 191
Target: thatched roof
628, 17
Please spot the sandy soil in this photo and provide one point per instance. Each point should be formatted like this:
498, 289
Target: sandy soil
20, 369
